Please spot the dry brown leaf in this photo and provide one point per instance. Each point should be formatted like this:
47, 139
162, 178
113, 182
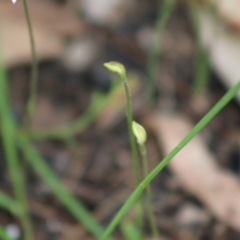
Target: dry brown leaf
223, 47
51, 23
229, 10
198, 171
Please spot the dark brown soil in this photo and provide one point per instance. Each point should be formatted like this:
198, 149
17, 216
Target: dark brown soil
97, 169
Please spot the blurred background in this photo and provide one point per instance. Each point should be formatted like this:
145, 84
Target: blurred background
181, 57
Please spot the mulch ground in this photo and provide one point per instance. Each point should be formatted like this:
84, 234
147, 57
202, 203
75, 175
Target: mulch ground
98, 168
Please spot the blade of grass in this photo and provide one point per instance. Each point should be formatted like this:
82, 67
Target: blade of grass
198, 127
130, 230
34, 75
72, 204
65, 132
4, 235
9, 204
202, 65
118, 68
8, 137
150, 210
202, 71
98, 102
141, 137
165, 12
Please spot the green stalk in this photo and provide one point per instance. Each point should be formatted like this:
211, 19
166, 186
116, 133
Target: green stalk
120, 69
150, 211
72, 204
198, 127
165, 12
9, 204
131, 136
139, 207
202, 65
34, 74
130, 230
9, 143
98, 102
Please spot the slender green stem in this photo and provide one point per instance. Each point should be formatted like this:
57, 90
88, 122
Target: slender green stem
9, 204
164, 14
120, 69
132, 140
34, 75
202, 66
139, 207
9, 143
72, 204
150, 210
130, 230
198, 127
202, 71
98, 102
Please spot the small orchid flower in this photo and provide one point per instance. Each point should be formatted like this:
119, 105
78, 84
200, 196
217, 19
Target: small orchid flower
139, 133
14, 1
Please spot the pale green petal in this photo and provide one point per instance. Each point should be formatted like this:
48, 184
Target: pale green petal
116, 67
139, 132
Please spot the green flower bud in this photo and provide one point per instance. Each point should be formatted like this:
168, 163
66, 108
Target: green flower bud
139, 133
116, 67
